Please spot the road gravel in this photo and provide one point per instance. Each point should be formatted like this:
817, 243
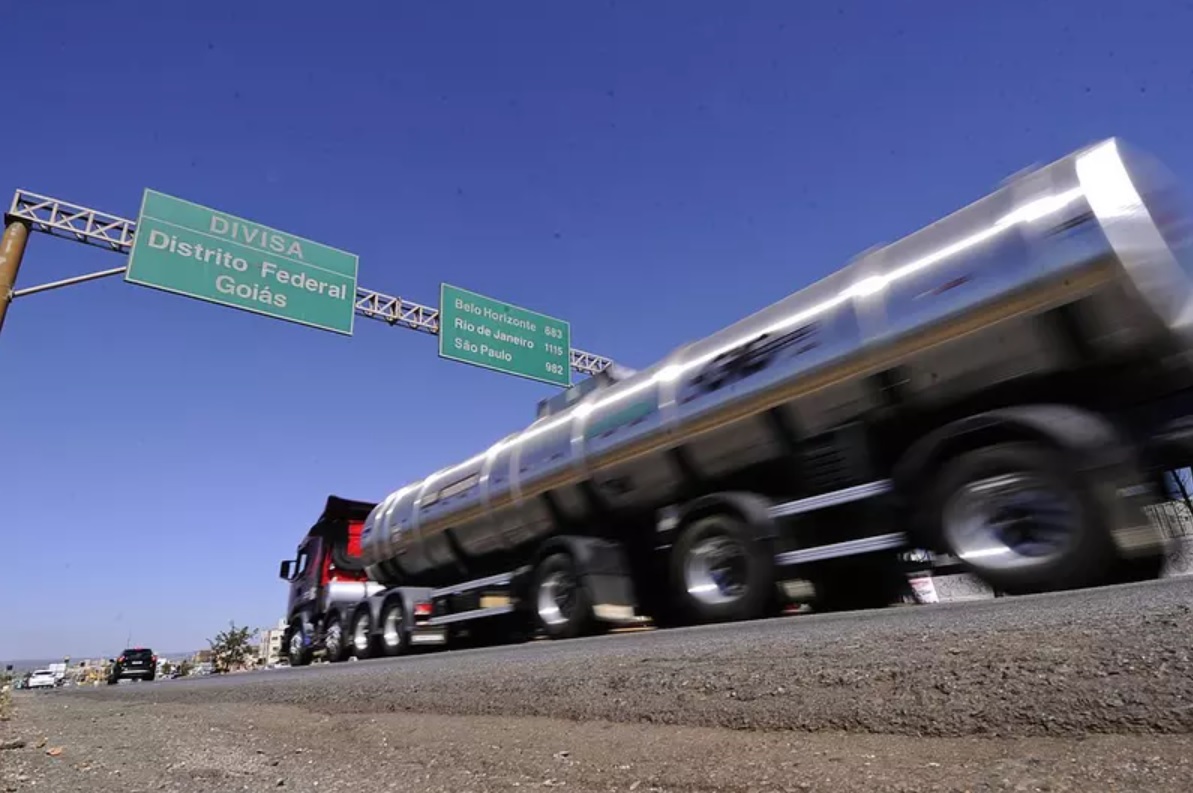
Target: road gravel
136, 747
1115, 660
1089, 690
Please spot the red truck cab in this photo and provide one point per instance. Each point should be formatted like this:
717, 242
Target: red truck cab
326, 577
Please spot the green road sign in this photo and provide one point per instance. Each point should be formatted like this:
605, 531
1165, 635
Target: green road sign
485, 332
198, 252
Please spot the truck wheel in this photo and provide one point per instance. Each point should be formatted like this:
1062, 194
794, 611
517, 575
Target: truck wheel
720, 572
363, 644
561, 604
1022, 519
333, 641
298, 646
394, 637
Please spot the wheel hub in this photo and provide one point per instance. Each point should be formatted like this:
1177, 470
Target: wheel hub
1010, 521
391, 632
360, 635
557, 598
715, 571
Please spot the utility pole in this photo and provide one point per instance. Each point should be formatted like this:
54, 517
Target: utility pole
12, 250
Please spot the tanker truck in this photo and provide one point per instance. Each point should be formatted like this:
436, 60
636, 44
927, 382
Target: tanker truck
1004, 388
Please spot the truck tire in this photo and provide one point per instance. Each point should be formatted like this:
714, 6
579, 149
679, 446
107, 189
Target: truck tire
298, 645
721, 572
335, 644
364, 644
395, 638
1020, 517
561, 606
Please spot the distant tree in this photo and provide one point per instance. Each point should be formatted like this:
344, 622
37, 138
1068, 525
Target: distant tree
185, 667
231, 648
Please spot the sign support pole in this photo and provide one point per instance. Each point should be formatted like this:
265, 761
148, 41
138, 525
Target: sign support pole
12, 251
78, 279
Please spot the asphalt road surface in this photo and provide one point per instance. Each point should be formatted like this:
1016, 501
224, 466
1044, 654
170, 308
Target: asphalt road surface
1081, 691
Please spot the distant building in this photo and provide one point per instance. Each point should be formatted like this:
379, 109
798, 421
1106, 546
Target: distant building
269, 648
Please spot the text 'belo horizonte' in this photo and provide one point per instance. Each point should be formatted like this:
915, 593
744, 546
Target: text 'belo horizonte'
496, 316
226, 282
488, 313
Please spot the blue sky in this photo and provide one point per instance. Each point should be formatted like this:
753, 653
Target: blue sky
648, 171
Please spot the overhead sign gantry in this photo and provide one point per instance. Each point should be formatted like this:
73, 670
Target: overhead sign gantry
34, 212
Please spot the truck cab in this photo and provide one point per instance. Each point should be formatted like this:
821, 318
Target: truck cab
313, 573
326, 576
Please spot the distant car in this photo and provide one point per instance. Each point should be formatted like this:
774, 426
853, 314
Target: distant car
43, 678
137, 663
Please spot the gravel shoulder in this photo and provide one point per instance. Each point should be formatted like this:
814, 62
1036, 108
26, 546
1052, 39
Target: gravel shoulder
1084, 691
89, 746
1110, 661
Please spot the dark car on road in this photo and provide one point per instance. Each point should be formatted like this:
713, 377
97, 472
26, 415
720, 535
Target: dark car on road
137, 663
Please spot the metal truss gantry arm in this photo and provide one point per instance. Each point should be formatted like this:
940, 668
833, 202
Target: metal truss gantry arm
90, 226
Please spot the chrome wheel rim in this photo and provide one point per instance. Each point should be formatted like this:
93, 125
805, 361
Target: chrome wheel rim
360, 634
1010, 522
391, 628
715, 570
557, 598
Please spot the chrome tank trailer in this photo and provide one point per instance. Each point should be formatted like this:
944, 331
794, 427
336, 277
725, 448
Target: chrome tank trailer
949, 304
